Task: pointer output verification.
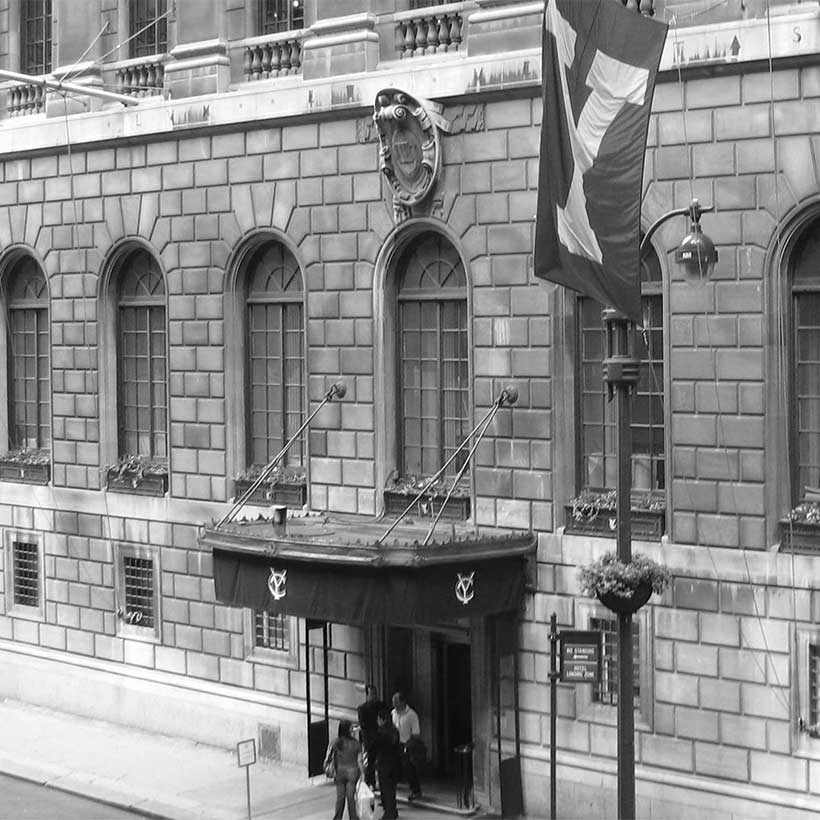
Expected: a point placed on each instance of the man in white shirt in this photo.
(406, 720)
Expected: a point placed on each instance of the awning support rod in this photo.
(508, 395)
(337, 390)
(73, 88)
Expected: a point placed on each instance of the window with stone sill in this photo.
(807, 673)
(595, 450)
(272, 638)
(25, 581)
(28, 342)
(142, 370)
(597, 702)
(148, 26)
(281, 15)
(35, 37)
(433, 374)
(137, 579)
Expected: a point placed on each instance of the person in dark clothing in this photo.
(387, 755)
(368, 728)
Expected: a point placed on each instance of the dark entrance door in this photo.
(398, 652)
(318, 724)
(452, 701)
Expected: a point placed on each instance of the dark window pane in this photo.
(26, 574)
(281, 15)
(138, 584)
(35, 36)
(607, 690)
(149, 28)
(271, 631)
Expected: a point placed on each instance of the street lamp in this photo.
(697, 255)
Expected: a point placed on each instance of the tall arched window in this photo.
(597, 467)
(142, 366)
(275, 364)
(29, 391)
(433, 372)
(805, 364)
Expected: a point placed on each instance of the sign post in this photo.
(246, 756)
(580, 663)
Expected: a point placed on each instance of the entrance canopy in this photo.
(333, 569)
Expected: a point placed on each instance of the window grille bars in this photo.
(26, 573)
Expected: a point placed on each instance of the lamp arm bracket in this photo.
(687, 211)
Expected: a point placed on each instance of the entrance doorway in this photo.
(452, 701)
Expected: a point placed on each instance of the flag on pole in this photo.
(600, 61)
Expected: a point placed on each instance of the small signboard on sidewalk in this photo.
(246, 756)
(246, 752)
(580, 656)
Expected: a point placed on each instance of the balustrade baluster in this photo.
(421, 37)
(410, 39)
(295, 56)
(247, 62)
(151, 78)
(432, 35)
(256, 63)
(275, 59)
(443, 34)
(285, 69)
(267, 59)
(455, 33)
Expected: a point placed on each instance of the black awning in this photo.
(337, 572)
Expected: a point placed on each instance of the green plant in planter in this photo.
(609, 576)
(27, 455)
(588, 504)
(281, 474)
(137, 466)
(412, 485)
(807, 512)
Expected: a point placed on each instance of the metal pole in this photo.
(248, 785)
(553, 710)
(73, 88)
(621, 375)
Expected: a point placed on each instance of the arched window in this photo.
(29, 390)
(275, 367)
(804, 444)
(433, 372)
(142, 366)
(597, 468)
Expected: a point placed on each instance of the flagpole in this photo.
(621, 377)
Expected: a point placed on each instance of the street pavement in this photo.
(155, 775)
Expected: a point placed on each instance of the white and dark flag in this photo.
(600, 61)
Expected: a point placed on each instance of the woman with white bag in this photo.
(346, 751)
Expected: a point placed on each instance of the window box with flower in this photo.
(285, 485)
(401, 490)
(800, 530)
(138, 475)
(623, 587)
(26, 466)
(593, 512)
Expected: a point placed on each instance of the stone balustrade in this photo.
(141, 78)
(437, 30)
(26, 99)
(273, 56)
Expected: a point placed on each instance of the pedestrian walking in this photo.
(368, 728)
(347, 752)
(406, 720)
(387, 756)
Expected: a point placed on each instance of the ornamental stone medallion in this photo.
(409, 150)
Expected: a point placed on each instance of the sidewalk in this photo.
(162, 777)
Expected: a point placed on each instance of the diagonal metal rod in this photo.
(509, 394)
(73, 88)
(460, 474)
(336, 390)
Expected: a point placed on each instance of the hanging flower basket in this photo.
(621, 587)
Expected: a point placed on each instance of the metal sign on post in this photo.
(580, 656)
(580, 663)
(246, 756)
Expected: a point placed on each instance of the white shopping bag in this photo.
(365, 801)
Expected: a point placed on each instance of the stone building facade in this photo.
(183, 280)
